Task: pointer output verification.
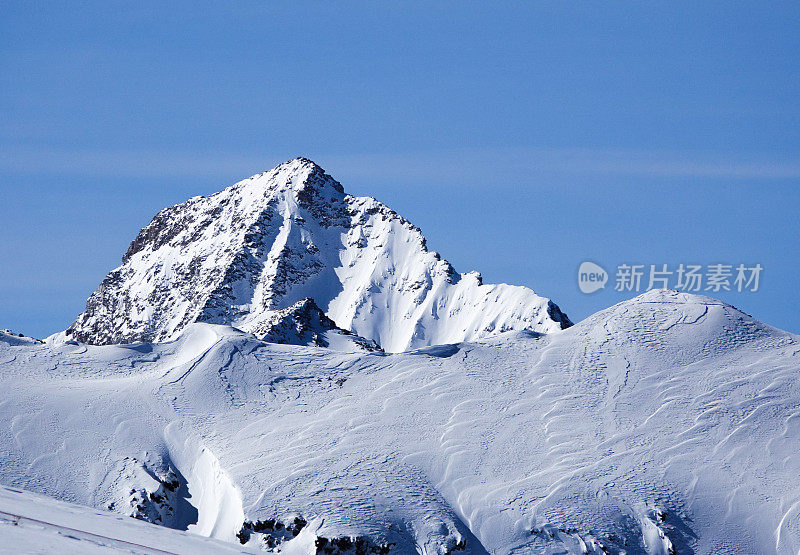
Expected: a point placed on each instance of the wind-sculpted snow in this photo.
(239, 256)
(666, 424)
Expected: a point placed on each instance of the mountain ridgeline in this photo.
(291, 240)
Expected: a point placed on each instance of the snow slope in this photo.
(31, 523)
(270, 241)
(668, 423)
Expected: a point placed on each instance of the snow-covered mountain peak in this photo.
(259, 247)
(672, 296)
(299, 175)
(674, 328)
(664, 305)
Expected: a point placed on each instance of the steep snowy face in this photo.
(261, 246)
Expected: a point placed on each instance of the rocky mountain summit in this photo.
(254, 252)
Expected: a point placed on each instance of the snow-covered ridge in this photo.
(668, 423)
(270, 241)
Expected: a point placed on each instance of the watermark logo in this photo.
(591, 277)
(694, 278)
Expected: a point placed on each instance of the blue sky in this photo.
(523, 138)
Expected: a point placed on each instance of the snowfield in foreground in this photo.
(668, 423)
(31, 523)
